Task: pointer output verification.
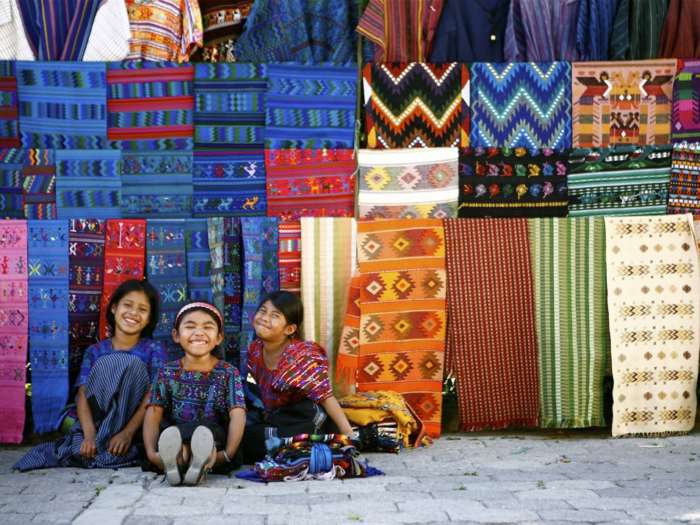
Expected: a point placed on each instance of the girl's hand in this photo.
(88, 448)
(120, 443)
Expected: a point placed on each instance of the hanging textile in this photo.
(310, 107)
(290, 256)
(14, 318)
(198, 261)
(637, 29)
(223, 22)
(11, 201)
(347, 360)
(653, 279)
(478, 341)
(402, 30)
(157, 184)
(9, 125)
(402, 313)
(622, 103)
(327, 264)
(310, 183)
(215, 232)
(680, 36)
(39, 184)
(62, 105)
(233, 270)
(625, 180)
(229, 161)
(88, 183)
(164, 29)
(416, 105)
(125, 259)
(593, 28)
(521, 104)
(505, 182)
(150, 105)
(86, 259)
(48, 320)
(408, 183)
(568, 270)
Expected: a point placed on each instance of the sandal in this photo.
(201, 446)
(169, 447)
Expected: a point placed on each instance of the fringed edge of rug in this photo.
(653, 435)
(500, 425)
(572, 423)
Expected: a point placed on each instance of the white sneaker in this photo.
(169, 448)
(201, 446)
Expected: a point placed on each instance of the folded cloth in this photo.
(367, 408)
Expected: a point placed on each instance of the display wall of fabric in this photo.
(622, 102)
(471, 32)
(215, 230)
(39, 184)
(327, 262)
(310, 107)
(408, 183)
(229, 161)
(11, 201)
(164, 29)
(478, 342)
(150, 105)
(86, 259)
(233, 270)
(416, 104)
(62, 104)
(347, 359)
(521, 104)
(157, 184)
(125, 259)
(568, 272)
(9, 125)
(402, 30)
(14, 320)
(402, 313)
(653, 278)
(88, 183)
(637, 29)
(505, 182)
(290, 256)
(310, 183)
(680, 36)
(47, 245)
(198, 261)
(223, 22)
(595, 22)
(625, 180)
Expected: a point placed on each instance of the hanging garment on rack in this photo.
(290, 256)
(215, 230)
(637, 29)
(9, 123)
(680, 36)
(595, 23)
(223, 22)
(653, 280)
(198, 260)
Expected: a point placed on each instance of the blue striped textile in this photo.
(11, 178)
(198, 260)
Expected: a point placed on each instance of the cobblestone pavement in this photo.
(462, 478)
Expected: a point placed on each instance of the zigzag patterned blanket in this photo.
(39, 184)
(12, 161)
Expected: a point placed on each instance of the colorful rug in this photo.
(88, 183)
(521, 104)
(223, 22)
(86, 259)
(327, 264)
(505, 182)
(62, 105)
(48, 320)
(290, 256)
(625, 180)
(653, 280)
(310, 183)
(150, 105)
(568, 270)
(347, 360)
(402, 313)
(408, 183)
(125, 259)
(478, 341)
(14, 319)
(622, 102)
(686, 109)
(215, 231)
(233, 269)
(310, 107)
(157, 184)
(12, 161)
(198, 260)
(416, 105)
(9, 125)
(39, 184)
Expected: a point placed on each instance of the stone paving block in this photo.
(307, 499)
(456, 508)
(555, 494)
(147, 520)
(55, 517)
(118, 497)
(474, 494)
(393, 496)
(185, 492)
(159, 499)
(218, 519)
(650, 491)
(174, 511)
(102, 517)
(607, 503)
(11, 518)
(340, 487)
(368, 506)
(492, 515)
(527, 504)
(359, 516)
(243, 507)
(577, 484)
(588, 515)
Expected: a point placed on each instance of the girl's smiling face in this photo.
(132, 313)
(270, 324)
(198, 333)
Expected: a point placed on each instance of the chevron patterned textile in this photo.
(416, 104)
(198, 260)
(12, 161)
(9, 125)
(48, 320)
(39, 184)
(521, 104)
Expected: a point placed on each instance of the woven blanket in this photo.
(233, 270)
(347, 360)
(479, 342)
(223, 22)
(198, 260)
(625, 180)
(327, 264)
(14, 318)
(402, 313)
(39, 184)
(416, 105)
(86, 259)
(12, 161)
(62, 105)
(48, 320)
(408, 183)
(125, 259)
(290, 256)
(150, 105)
(9, 125)
(88, 183)
(568, 270)
(622, 102)
(215, 231)
(310, 107)
(157, 184)
(310, 183)
(521, 104)
(505, 182)
(686, 112)
(653, 280)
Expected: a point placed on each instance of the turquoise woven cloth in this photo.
(11, 177)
